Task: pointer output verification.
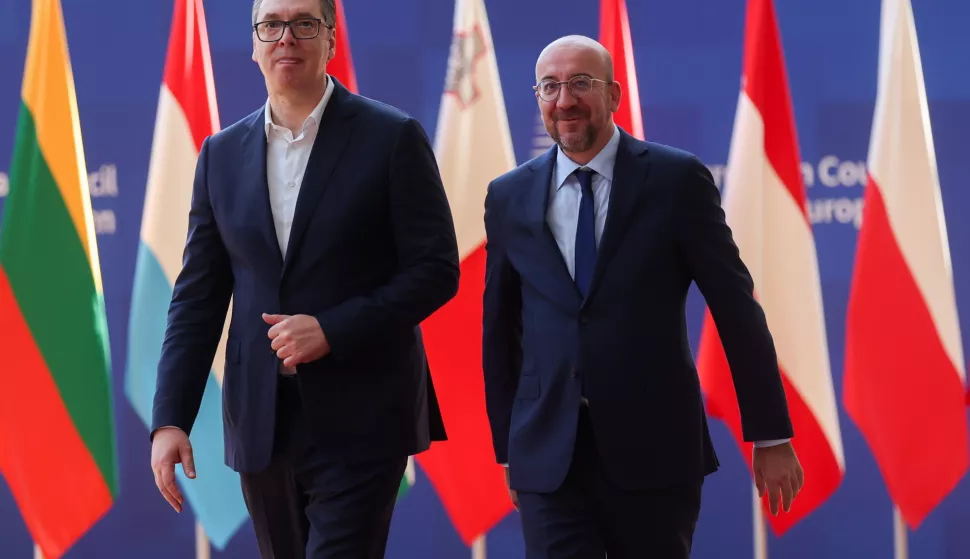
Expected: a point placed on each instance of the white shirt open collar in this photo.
(313, 118)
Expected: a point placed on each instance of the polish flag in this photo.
(904, 367)
(615, 37)
(473, 146)
(765, 205)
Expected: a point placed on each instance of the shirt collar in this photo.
(602, 163)
(314, 116)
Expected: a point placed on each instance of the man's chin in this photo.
(573, 142)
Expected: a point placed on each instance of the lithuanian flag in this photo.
(57, 442)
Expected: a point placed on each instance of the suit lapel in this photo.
(254, 146)
(548, 259)
(629, 175)
(332, 139)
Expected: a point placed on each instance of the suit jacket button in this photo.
(583, 319)
(575, 373)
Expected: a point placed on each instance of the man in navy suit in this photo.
(592, 394)
(323, 216)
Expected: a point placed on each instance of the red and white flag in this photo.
(765, 204)
(615, 37)
(473, 146)
(904, 368)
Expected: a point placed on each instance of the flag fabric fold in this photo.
(58, 450)
(342, 64)
(765, 205)
(473, 145)
(186, 115)
(904, 364)
(615, 37)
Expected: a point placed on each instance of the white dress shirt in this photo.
(566, 195)
(286, 161)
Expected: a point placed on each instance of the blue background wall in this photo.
(688, 58)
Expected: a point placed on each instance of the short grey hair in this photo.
(327, 7)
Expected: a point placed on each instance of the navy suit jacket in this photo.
(625, 347)
(372, 253)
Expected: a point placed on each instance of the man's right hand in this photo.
(512, 494)
(170, 446)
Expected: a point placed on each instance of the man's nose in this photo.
(287, 36)
(565, 99)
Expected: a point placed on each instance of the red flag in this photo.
(615, 36)
(473, 146)
(765, 207)
(904, 375)
(342, 65)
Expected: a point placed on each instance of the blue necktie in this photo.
(585, 233)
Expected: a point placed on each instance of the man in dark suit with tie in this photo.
(323, 216)
(592, 394)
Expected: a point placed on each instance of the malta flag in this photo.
(186, 115)
(765, 205)
(904, 368)
(615, 37)
(473, 146)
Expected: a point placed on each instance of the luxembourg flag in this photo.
(904, 364)
(765, 205)
(186, 115)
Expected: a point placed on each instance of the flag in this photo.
(407, 481)
(765, 206)
(341, 66)
(186, 115)
(904, 367)
(57, 441)
(473, 145)
(615, 37)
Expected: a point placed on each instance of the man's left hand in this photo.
(778, 473)
(296, 339)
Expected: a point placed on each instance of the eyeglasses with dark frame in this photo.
(302, 28)
(579, 86)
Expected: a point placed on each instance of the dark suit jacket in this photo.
(626, 345)
(372, 252)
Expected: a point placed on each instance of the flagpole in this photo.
(478, 547)
(899, 535)
(201, 542)
(760, 537)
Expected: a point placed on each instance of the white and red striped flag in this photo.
(615, 37)
(765, 204)
(904, 367)
(473, 146)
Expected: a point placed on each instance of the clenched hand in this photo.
(296, 339)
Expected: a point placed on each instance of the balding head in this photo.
(577, 116)
(582, 47)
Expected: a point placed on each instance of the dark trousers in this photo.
(306, 504)
(588, 517)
